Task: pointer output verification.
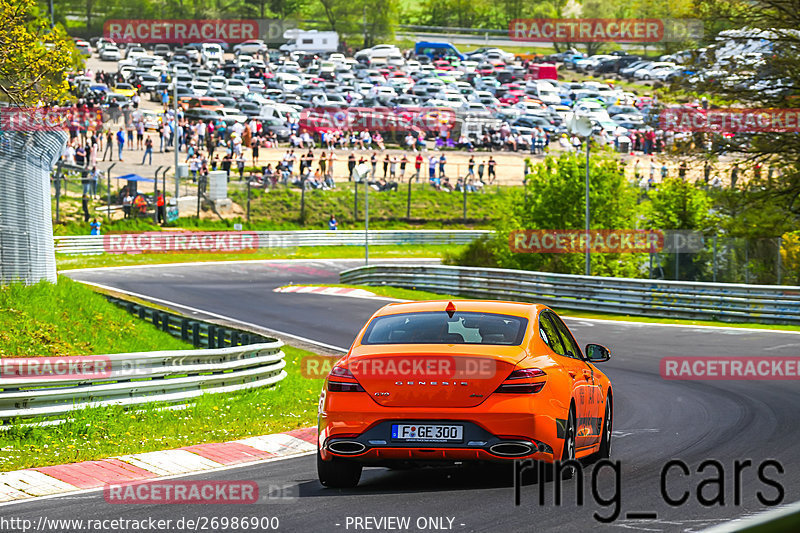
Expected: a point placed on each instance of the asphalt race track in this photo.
(656, 420)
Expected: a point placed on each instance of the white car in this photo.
(231, 114)
(109, 53)
(218, 83)
(253, 47)
(243, 60)
(379, 51)
(236, 87)
(84, 48)
(199, 88)
(647, 73)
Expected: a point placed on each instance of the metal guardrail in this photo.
(198, 332)
(95, 244)
(137, 378)
(656, 298)
(233, 360)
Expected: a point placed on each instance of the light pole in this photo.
(582, 126)
(175, 129)
(586, 200)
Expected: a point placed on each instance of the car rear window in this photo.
(437, 327)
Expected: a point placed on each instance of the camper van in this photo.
(310, 41)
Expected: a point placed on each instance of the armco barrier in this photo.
(95, 244)
(677, 299)
(198, 332)
(136, 378)
(235, 360)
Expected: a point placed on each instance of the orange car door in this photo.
(573, 367)
(589, 394)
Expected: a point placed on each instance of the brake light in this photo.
(343, 373)
(511, 385)
(525, 373)
(339, 386)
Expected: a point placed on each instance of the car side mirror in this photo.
(597, 353)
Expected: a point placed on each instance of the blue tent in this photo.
(135, 177)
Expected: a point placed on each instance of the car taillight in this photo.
(342, 380)
(513, 384)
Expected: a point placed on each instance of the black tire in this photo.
(568, 453)
(608, 424)
(338, 473)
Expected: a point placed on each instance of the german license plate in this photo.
(427, 432)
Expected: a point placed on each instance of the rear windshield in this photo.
(437, 327)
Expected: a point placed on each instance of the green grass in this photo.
(68, 262)
(70, 319)
(110, 431)
(279, 209)
(411, 294)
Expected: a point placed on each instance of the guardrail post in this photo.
(244, 338)
(212, 332)
(142, 312)
(234, 338)
(165, 322)
(196, 333)
(184, 330)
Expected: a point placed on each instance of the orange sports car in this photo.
(443, 382)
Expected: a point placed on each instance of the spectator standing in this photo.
(403, 163)
(734, 175)
(120, 142)
(492, 169)
(148, 150)
(442, 162)
(417, 165)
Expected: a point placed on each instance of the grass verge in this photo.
(412, 294)
(109, 431)
(69, 262)
(65, 318)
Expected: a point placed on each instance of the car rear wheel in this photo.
(605, 442)
(568, 453)
(338, 473)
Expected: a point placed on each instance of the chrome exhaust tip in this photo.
(346, 447)
(512, 449)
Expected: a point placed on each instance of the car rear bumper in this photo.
(499, 429)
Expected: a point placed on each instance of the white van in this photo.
(212, 52)
(310, 41)
(281, 112)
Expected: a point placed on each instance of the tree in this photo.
(553, 199)
(34, 58)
